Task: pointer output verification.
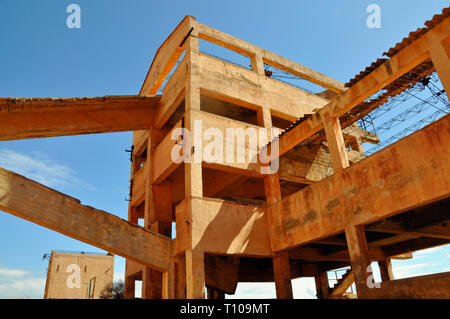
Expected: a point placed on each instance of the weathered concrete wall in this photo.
(99, 268)
(407, 174)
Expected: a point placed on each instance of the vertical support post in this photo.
(386, 269)
(335, 139)
(257, 64)
(135, 165)
(359, 258)
(168, 282)
(129, 289)
(163, 206)
(151, 284)
(272, 188)
(193, 170)
(359, 145)
(322, 285)
(154, 137)
(281, 265)
(271, 181)
(195, 267)
(215, 293)
(440, 56)
(132, 215)
(195, 274)
(152, 279)
(264, 118)
(165, 285)
(147, 284)
(180, 277)
(209, 293)
(282, 275)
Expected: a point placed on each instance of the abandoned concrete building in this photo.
(329, 205)
(78, 275)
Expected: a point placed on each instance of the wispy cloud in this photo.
(19, 283)
(12, 272)
(247, 290)
(302, 288)
(428, 251)
(406, 271)
(40, 168)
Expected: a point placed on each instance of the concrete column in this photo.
(322, 285)
(335, 139)
(386, 269)
(129, 288)
(215, 293)
(359, 257)
(282, 275)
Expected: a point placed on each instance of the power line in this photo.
(410, 129)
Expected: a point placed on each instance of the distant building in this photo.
(78, 275)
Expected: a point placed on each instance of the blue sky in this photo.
(110, 55)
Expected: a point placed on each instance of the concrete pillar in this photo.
(151, 284)
(335, 139)
(440, 56)
(129, 288)
(195, 274)
(215, 293)
(386, 269)
(180, 277)
(322, 285)
(359, 257)
(282, 276)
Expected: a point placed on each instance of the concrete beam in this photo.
(433, 286)
(254, 52)
(44, 206)
(166, 57)
(410, 173)
(45, 117)
(408, 58)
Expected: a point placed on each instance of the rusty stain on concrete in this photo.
(290, 223)
(333, 203)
